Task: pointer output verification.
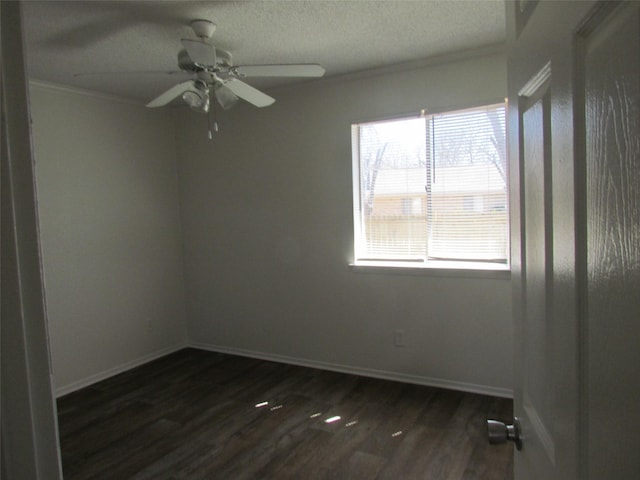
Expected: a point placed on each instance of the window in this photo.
(432, 190)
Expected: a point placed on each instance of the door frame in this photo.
(29, 432)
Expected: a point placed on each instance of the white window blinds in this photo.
(432, 188)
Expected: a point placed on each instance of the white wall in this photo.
(110, 232)
(268, 232)
(267, 217)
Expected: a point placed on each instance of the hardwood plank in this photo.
(194, 415)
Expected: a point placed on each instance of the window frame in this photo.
(424, 265)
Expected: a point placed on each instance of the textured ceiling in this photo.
(64, 38)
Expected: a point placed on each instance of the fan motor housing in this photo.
(224, 59)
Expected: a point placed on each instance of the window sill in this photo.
(437, 269)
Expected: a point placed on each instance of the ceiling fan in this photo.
(213, 72)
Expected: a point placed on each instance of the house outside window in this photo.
(432, 190)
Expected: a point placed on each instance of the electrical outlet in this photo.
(398, 338)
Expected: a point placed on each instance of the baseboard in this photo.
(335, 367)
(365, 372)
(85, 382)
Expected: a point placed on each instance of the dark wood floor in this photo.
(194, 415)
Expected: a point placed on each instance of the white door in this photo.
(574, 119)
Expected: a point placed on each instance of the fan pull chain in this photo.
(210, 117)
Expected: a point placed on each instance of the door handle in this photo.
(499, 432)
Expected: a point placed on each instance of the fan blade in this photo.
(201, 53)
(142, 72)
(171, 94)
(248, 93)
(292, 70)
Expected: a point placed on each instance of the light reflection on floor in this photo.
(332, 419)
(329, 420)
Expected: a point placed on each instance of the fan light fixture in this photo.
(198, 98)
(226, 98)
